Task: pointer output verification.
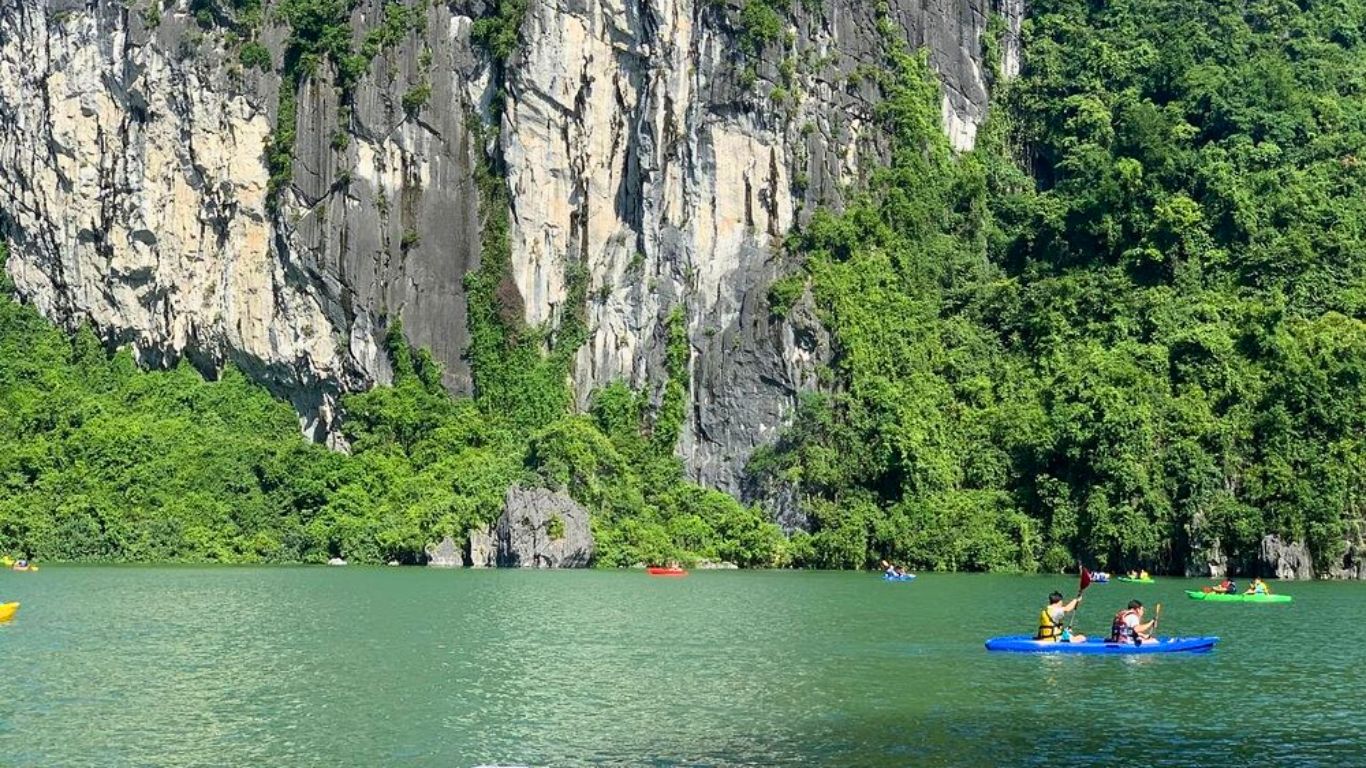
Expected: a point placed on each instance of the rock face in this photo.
(482, 550)
(445, 554)
(1353, 564)
(1287, 560)
(644, 151)
(542, 529)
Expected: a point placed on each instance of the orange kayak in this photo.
(666, 571)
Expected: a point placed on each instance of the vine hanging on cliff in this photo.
(320, 31)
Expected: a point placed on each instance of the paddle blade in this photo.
(1085, 579)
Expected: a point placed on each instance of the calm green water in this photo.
(373, 667)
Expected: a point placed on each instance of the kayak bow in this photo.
(1027, 644)
(7, 611)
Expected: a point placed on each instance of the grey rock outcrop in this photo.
(1286, 560)
(540, 528)
(1205, 556)
(445, 554)
(482, 549)
(1353, 565)
(641, 150)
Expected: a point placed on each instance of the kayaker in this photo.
(1051, 618)
(1258, 587)
(1225, 587)
(1143, 575)
(888, 570)
(1129, 626)
(1131, 575)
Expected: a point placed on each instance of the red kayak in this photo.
(666, 571)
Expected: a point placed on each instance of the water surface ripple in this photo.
(372, 667)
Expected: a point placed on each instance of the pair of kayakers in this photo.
(1228, 587)
(893, 571)
(1128, 625)
(1141, 575)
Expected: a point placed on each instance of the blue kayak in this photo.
(907, 577)
(1027, 644)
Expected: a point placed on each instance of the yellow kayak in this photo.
(21, 570)
(7, 611)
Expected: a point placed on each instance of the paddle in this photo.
(1085, 582)
(1157, 614)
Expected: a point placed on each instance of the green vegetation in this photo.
(761, 23)
(415, 98)
(1153, 341)
(499, 32)
(253, 54)
(102, 461)
(784, 293)
(243, 17)
(1130, 324)
(151, 15)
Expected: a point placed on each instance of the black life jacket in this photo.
(1121, 632)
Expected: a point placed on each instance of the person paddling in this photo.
(1225, 587)
(1258, 587)
(888, 570)
(1129, 626)
(1051, 626)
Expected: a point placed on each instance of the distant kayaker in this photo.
(888, 569)
(1225, 587)
(1129, 626)
(1143, 575)
(1258, 587)
(1051, 618)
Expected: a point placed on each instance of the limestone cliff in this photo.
(658, 149)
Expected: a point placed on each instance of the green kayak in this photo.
(1128, 580)
(1218, 597)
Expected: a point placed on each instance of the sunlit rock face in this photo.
(643, 150)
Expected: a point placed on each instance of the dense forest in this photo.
(1125, 328)
(100, 460)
